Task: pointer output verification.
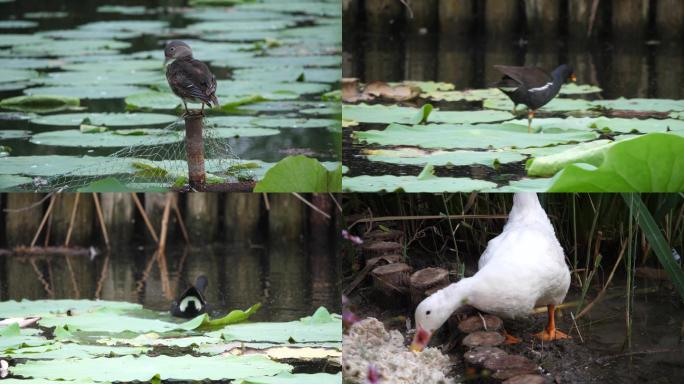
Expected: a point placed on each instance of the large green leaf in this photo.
(69, 350)
(97, 78)
(108, 119)
(470, 136)
(47, 308)
(152, 100)
(414, 156)
(299, 174)
(143, 368)
(100, 92)
(70, 47)
(649, 163)
(12, 75)
(555, 105)
(637, 125)
(643, 105)
(40, 103)
(592, 153)
(76, 138)
(391, 183)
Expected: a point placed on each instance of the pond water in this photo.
(272, 63)
(290, 279)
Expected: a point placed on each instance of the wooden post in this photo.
(455, 62)
(201, 216)
(421, 57)
(669, 71)
(384, 59)
(456, 17)
(244, 275)
(579, 16)
(543, 17)
(500, 17)
(21, 222)
(670, 19)
(422, 16)
(286, 218)
(194, 145)
(382, 15)
(629, 18)
(628, 71)
(242, 216)
(119, 210)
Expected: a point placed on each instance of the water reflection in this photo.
(290, 278)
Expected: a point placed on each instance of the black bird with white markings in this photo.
(192, 302)
(189, 78)
(532, 86)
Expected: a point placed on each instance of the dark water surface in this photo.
(290, 279)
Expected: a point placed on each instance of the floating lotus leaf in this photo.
(648, 163)
(86, 34)
(100, 92)
(467, 95)
(365, 113)
(152, 339)
(297, 378)
(555, 105)
(40, 103)
(12, 337)
(8, 182)
(70, 47)
(108, 119)
(51, 165)
(11, 39)
(142, 26)
(29, 63)
(317, 8)
(289, 74)
(642, 105)
(11, 134)
(152, 100)
(12, 75)
(277, 62)
(247, 25)
(68, 351)
(427, 86)
(242, 36)
(392, 183)
(577, 89)
(76, 138)
(570, 123)
(470, 136)
(306, 330)
(227, 14)
(414, 156)
(312, 177)
(12, 24)
(637, 125)
(97, 78)
(47, 308)
(125, 65)
(268, 90)
(295, 123)
(591, 153)
(243, 132)
(125, 9)
(46, 15)
(14, 86)
(525, 185)
(468, 117)
(143, 368)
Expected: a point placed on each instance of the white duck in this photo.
(521, 268)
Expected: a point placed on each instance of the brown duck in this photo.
(189, 78)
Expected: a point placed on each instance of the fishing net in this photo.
(158, 162)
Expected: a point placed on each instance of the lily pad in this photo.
(365, 113)
(12, 134)
(238, 25)
(13, 75)
(11, 39)
(268, 90)
(152, 100)
(46, 15)
(15, 24)
(413, 156)
(51, 165)
(141, 26)
(100, 92)
(12, 181)
(391, 183)
(68, 351)
(295, 123)
(466, 95)
(648, 163)
(555, 105)
(76, 138)
(297, 378)
(70, 47)
(29, 63)
(579, 89)
(125, 65)
(637, 125)
(87, 78)
(525, 185)
(40, 103)
(108, 119)
(470, 136)
(143, 368)
(469, 117)
(289, 74)
(47, 308)
(312, 176)
(642, 105)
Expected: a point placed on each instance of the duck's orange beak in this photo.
(420, 340)
(573, 78)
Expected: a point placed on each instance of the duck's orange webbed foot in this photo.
(552, 335)
(510, 339)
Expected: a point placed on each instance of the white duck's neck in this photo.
(455, 295)
(527, 211)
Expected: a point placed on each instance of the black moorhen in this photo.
(532, 86)
(192, 302)
(189, 78)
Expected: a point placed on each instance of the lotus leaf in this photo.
(8, 182)
(40, 103)
(642, 105)
(312, 176)
(392, 183)
(413, 156)
(648, 163)
(13, 75)
(108, 119)
(592, 152)
(100, 92)
(297, 378)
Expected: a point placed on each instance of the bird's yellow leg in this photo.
(202, 109)
(530, 116)
(550, 332)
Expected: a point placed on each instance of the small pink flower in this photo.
(354, 239)
(373, 376)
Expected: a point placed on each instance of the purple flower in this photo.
(354, 239)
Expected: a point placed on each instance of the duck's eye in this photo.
(172, 48)
(427, 313)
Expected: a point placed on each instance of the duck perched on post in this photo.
(532, 86)
(192, 302)
(189, 78)
(521, 268)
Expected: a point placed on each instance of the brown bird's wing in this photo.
(531, 77)
(193, 79)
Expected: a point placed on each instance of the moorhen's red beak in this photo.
(420, 340)
(573, 78)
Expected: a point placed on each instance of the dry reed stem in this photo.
(146, 219)
(100, 218)
(72, 219)
(42, 222)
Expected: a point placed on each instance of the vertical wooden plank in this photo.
(83, 220)
(629, 18)
(244, 276)
(455, 62)
(669, 71)
(456, 17)
(202, 216)
(579, 15)
(384, 59)
(119, 213)
(421, 57)
(501, 17)
(21, 223)
(670, 19)
(382, 15)
(323, 259)
(543, 18)
(242, 215)
(424, 18)
(286, 218)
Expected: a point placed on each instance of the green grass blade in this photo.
(656, 239)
